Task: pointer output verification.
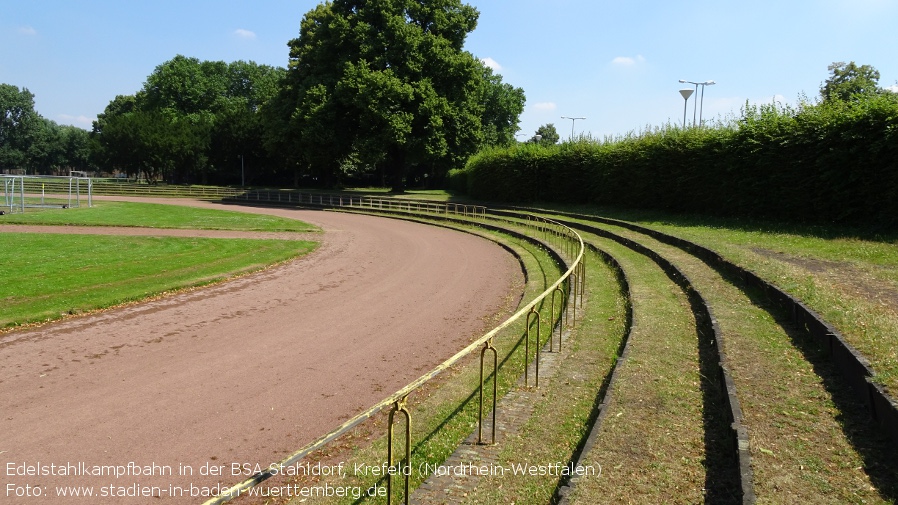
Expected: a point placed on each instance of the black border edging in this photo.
(566, 487)
(854, 366)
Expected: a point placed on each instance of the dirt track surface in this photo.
(246, 371)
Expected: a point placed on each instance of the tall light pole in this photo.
(686, 94)
(535, 138)
(242, 177)
(697, 84)
(573, 120)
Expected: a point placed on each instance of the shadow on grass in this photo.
(721, 462)
(873, 231)
(876, 449)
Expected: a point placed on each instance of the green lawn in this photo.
(157, 216)
(48, 276)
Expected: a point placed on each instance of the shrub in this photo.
(828, 162)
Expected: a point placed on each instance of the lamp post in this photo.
(573, 121)
(686, 94)
(535, 138)
(242, 176)
(697, 84)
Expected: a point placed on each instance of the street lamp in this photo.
(697, 84)
(535, 138)
(686, 94)
(242, 177)
(573, 120)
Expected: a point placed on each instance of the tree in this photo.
(503, 105)
(847, 80)
(548, 133)
(201, 118)
(386, 82)
(20, 125)
(76, 146)
(112, 142)
(34, 143)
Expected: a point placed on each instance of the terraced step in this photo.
(659, 441)
(811, 442)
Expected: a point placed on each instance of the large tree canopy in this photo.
(848, 80)
(36, 144)
(193, 119)
(548, 135)
(19, 125)
(387, 82)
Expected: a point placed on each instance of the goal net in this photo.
(22, 192)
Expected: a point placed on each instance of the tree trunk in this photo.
(397, 164)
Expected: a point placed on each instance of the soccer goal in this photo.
(22, 192)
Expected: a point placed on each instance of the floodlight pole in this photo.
(242, 174)
(686, 94)
(697, 84)
(573, 120)
(535, 138)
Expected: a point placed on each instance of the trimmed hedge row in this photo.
(830, 162)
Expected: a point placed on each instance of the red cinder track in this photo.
(245, 371)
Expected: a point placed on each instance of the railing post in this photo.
(488, 346)
(561, 311)
(402, 407)
(582, 279)
(533, 312)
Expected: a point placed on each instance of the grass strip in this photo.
(152, 215)
(651, 444)
(810, 440)
(46, 277)
(560, 420)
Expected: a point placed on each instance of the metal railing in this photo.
(570, 285)
(364, 202)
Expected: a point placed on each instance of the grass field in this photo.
(105, 213)
(48, 276)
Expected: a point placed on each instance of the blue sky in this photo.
(615, 63)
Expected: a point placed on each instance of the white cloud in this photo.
(491, 63)
(245, 34)
(27, 30)
(893, 89)
(627, 61)
(82, 121)
(545, 106)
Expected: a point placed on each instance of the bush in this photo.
(828, 162)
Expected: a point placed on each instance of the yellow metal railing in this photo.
(560, 236)
(364, 202)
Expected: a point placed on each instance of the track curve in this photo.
(222, 375)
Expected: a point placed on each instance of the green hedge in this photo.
(828, 162)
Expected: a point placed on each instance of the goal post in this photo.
(21, 192)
